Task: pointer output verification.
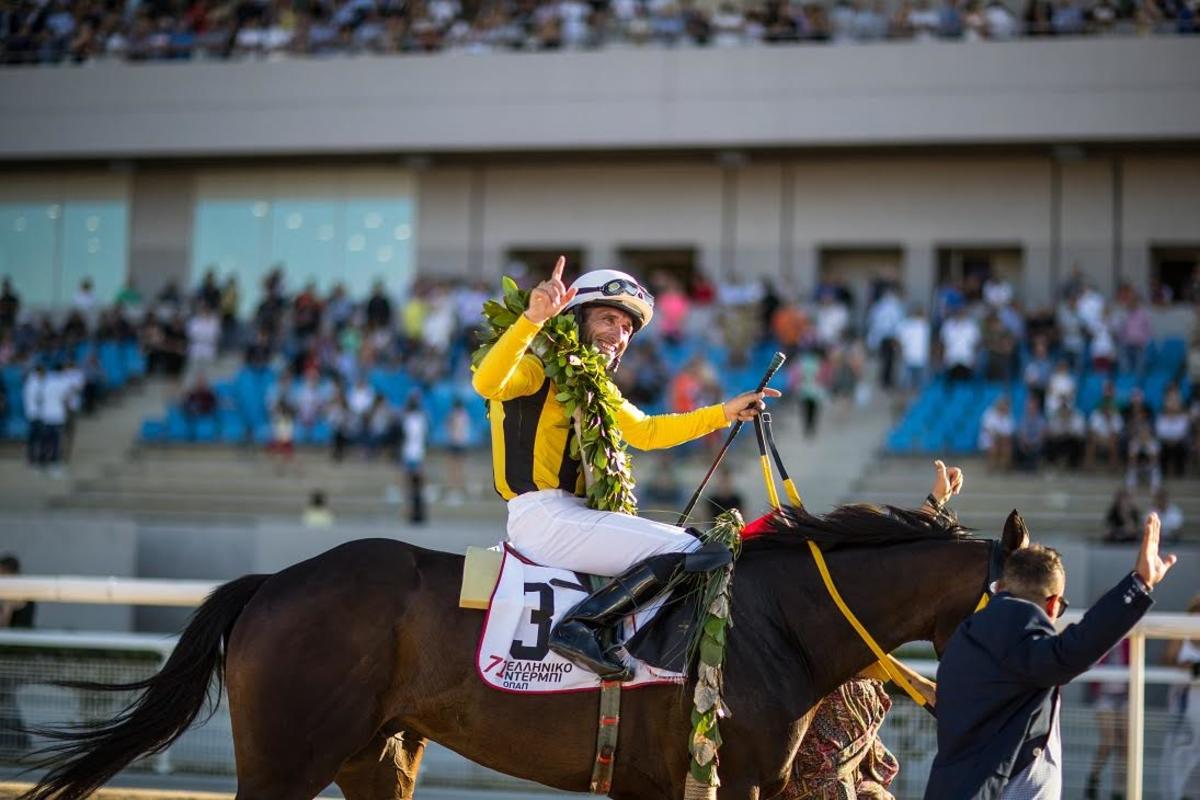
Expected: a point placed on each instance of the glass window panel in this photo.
(379, 244)
(232, 236)
(306, 241)
(28, 235)
(95, 240)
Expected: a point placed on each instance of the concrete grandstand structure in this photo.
(1038, 155)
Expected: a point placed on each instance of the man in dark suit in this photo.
(998, 696)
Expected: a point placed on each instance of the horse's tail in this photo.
(85, 757)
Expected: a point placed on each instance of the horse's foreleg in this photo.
(386, 769)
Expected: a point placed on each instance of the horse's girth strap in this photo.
(885, 660)
(606, 737)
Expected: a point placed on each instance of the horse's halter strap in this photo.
(762, 427)
(995, 569)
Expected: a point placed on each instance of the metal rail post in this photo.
(1135, 737)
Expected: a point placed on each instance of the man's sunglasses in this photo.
(1063, 605)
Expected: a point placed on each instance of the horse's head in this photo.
(1014, 536)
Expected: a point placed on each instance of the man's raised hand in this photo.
(550, 296)
(1150, 566)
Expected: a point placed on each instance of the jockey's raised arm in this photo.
(548, 519)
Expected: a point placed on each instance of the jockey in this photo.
(548, 519)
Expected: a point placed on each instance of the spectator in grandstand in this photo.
(1038, 371)
(458, 440)
(200, 400)
(1030, 438)
(1066, 431)
(208, 293)
(10, 305)
(14, 613)
(379, 426)
(128, 299)
(1105, 425)
(1173, 429)
(1135, 333)
(960, 345)
(316, 513)
(166, 345)
(1001, 23)
(46, 395)
(999, 347)
(725, 495)
(306, 313)
(230, 300)
(832, 318)
(1181, 746)
(1067, 19)
(203, 336)
(1061, 387)
(996, 434)
(310, 398)
(1170, 515)
(282, 447)
(414, 427)
(1136, 413)
(85, 299)
(1104, 346)
(883, 323)
(1143, 458)
(913, 334)
(339, 308)
(345, 426)
(810, 378)
(258, 352)
(1071, 329)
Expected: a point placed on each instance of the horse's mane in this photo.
(855, 525)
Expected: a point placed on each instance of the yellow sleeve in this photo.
(667, 430)
(509, 370)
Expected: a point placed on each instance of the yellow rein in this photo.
(886, 661)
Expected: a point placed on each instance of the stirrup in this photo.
(577, 642)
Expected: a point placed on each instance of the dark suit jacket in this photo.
(997, 681)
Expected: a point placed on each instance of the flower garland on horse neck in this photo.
(580, 372)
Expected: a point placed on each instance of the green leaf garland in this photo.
(708, 707)
(580, 374)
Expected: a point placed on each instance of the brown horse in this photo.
(340, 668)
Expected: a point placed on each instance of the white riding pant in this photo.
(555, 528)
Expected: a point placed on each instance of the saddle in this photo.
(524, 600)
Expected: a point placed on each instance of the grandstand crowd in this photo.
(57, 31)
(1085, 384)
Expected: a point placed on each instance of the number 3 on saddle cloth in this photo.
(528, 600)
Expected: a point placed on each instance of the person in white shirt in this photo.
(85, 298)
(359, 400)
(1061, 386)
(1173, 428)
(1105, 426)
(832, 319)
(913, 335)
(960, 345)
(414, 430)
(996, 434)
(203, 334)
(1065, 432)
(46, 396)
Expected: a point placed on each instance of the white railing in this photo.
(140, 591)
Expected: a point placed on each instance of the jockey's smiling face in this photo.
(609, 329)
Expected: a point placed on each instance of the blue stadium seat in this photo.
(135, 360)
(16, 428)
(204, 429)
(179, 428)
(112, 364)
(153, 430)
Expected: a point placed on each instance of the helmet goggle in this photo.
(620, 286)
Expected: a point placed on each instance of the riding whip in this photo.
(776, 362)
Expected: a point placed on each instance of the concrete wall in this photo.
(904, 93)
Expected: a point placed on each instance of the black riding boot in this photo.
(577, 635)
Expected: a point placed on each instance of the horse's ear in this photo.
(1016, 535)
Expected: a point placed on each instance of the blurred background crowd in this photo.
(168, 30)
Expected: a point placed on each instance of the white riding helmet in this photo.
(610, 287)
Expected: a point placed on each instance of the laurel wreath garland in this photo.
(580, 373)
(708, 705)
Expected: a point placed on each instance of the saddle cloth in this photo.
(514, 653)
